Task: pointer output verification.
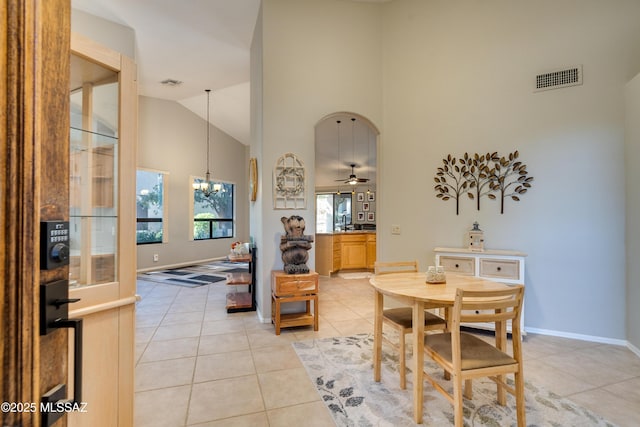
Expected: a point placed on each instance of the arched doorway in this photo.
(345, 192)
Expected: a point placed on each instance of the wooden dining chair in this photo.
(466, 356)
(401, 318)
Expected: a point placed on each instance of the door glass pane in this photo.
(93, 172)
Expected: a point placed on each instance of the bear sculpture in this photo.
(295, 245)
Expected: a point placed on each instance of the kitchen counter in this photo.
(345, 250)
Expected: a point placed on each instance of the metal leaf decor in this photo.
(510, 178)
(456, 185)
(479, 174)
(482, 175)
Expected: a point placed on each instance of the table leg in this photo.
(418, 359)
(377, 336)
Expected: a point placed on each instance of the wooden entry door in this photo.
(34, 186)
(34, 141)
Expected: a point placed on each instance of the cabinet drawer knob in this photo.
(499, 268)
(457, 265)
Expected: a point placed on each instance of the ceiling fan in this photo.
(353, 179)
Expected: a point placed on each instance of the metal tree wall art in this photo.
(482, 175)
(478, 174)
(510, 178)
(456, 185)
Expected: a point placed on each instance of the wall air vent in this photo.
(556, 79)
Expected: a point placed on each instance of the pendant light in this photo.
(368, 159)
(339, 149)
(207, 187)
(353, 180)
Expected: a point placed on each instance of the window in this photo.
(213, 216)
(333, 212)
(149, 207)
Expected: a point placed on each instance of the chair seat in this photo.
(404, 316)
(476, 353)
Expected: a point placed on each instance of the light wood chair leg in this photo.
(457, 401)
(468, 389)
(501, 392)
(520, 411)
(403, 361)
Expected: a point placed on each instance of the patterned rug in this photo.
(195, 275)
(342, 370)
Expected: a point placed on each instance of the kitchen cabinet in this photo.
(371, 251)
(499, 265)
(345, 251)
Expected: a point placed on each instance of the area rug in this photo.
(195, 275)
(342, 370)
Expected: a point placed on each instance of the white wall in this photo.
(318, 57)
(458, 78)
(173, 139)
(632, 154)
(448, 78)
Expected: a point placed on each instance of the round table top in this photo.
(414, 286)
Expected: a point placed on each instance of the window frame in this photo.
(162, 219)
(212, 221)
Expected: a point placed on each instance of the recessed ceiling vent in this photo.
(171, 82)
(556, 79)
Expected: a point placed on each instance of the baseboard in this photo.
(182, 264)
(634, 349)
(581, 337)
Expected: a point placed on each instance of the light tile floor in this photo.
(197, 365)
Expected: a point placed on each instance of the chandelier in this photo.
(207, 187)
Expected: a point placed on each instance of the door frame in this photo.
(113, 301)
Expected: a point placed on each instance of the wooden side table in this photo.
(291, 288)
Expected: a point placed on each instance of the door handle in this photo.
(76, 325)
(54, 314)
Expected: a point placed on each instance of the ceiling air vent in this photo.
(571, 76)
(171, 82)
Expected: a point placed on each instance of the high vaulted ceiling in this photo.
(202, 43)
(206, 44)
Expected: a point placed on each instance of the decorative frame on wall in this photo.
(289, 183)
(253, 179)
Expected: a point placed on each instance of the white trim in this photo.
(633, 348)
(581, 337)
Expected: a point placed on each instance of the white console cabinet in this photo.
(499, 265)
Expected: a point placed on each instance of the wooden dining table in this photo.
(411, 289)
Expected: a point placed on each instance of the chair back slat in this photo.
(486, 317)
(488, 306)
(395, 267)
